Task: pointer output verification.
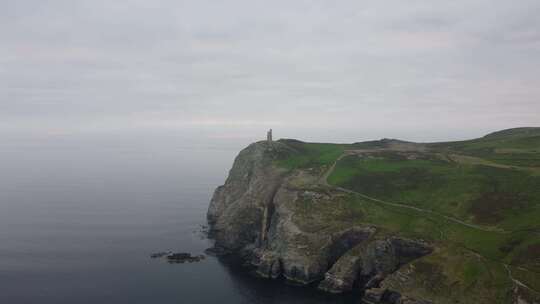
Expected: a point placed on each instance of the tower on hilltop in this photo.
(269, 136)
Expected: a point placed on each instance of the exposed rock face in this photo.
(239, 208)
(266, 215)
(343, 274)
(381, 295)
(370, 262)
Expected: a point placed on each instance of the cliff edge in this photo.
(401, 222)
(285, 224)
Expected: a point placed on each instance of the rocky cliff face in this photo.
(240, 209)
(285, 224)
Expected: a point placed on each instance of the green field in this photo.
(515, 147)
(505, 198)
(309, 155)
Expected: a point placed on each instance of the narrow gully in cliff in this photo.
(267, 215)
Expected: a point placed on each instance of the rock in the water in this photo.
(179, 257)
(373, 295)
(160, 254)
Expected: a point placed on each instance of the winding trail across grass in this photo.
(324, 181)
(517, 282)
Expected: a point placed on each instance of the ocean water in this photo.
(79, 217)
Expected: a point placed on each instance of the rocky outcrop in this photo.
(238, 209)
(343, 274)
(284, 224)
(370, 262)
(384, 296)
(304, 258)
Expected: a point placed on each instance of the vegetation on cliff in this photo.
(476, 202)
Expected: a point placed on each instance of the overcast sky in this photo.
(318, 70)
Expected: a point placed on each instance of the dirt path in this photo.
(517, 282)
(324, 181)
(324, 178)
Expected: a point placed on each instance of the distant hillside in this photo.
(515, 132)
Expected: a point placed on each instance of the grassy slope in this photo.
(505, 198)
(499, 189)
(517, 147)
(310, 155)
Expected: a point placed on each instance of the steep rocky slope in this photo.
(277, 212)
(260, 214)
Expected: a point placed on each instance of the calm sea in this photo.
(79, 217)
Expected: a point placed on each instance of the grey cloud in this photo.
(319, 65)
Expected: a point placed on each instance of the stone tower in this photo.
(269, 136)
